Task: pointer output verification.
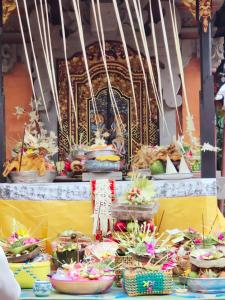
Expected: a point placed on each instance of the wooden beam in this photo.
(2, 104)
(207, 106)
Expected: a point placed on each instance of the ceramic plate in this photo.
(177, 176)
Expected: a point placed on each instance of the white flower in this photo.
(208, 147)
(33, 116)
(19, 111)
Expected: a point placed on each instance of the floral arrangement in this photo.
(90, 270)
(140, 193)
(147, 247)
(34, 151)
(36, 137)
(20, 244)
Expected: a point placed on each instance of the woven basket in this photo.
(121, 263)
(139, 281)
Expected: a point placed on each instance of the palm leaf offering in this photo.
(141, 192)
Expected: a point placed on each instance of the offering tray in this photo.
(31, 177)
(206, 263)
(175, 176)
(82, 286)
(24, 257)
(123, 211)
(206, 285)
(102, 166)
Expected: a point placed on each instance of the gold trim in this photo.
(205, 13)
(191, 5)
(9, 7)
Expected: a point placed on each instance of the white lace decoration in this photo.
(103, 204)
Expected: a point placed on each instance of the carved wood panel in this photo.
(145, 131)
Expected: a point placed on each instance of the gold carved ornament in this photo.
(8, 8)
(191, 5)
(205, 11)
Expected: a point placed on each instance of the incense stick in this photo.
(213, 223)
(160, 222)
(203, 230)
(22, 147)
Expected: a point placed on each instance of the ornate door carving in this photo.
(143, 132)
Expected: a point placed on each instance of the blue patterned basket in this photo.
(138, 282)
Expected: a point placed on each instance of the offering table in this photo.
(116, 293)
(47, 209)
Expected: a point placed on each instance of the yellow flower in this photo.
(23, 233)
(187, 272)
(29, 151)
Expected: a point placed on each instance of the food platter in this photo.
(175, 176)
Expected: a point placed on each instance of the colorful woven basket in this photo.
(139, 281)
(27, 273)
(121, 263)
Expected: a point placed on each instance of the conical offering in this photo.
(170, 168)
(183, 169)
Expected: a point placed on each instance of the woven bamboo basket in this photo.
(139, 281)
(121, 263)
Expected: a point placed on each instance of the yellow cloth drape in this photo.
(48, 218)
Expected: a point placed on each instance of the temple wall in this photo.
(18, 92)
(17, 82)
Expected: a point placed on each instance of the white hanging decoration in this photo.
(189, 118)
(126, 54)
(157, 61)
(183, 168)
(81, 35)
(46, 57)
(66, 62)
(150, 68)
(168, 59)
(139, 53)
(102, 49)
(170, 168)
(102, 208)
(52, 63)
(35, 58)
(26, 52)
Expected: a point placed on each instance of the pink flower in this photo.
(197, 241)
(189, 154)
(30, 241)
(15, 235)
(220, 236)
(11, 240)
(192, 230)
(168, 265)
(150, 248)
(67, 166)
